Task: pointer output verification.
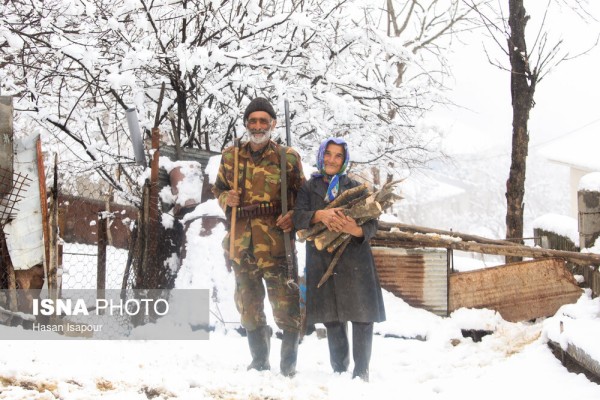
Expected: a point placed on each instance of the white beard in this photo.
(260, 140)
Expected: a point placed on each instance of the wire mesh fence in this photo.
(96, 236)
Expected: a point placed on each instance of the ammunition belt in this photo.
(259, 209)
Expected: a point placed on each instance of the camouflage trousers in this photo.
(250, 296)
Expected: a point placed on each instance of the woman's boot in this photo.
(362, 343)
(289, 353)
(339, 352)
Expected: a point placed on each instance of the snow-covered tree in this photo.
(76, 66)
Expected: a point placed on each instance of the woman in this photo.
(353, 292)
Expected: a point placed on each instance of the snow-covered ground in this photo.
(416, 355)
(514, 362)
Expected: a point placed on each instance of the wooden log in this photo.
(504, 250)
(337, 242)
(386, 194)
(388, 226)
(370, 210)
(310, 233)
(348, 196)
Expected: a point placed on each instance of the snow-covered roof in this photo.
(578, 150)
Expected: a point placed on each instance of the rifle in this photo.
(289, 255)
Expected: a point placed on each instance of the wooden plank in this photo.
(592, 278)
(43, 203)
(519, 291)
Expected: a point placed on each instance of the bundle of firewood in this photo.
(358, 203)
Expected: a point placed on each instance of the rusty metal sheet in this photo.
(519, 291)
(418, 276)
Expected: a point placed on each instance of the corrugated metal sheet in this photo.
(519, 291)
(418, 276)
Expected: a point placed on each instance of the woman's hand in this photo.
(327, 217)
(345, 224)
(335, 220)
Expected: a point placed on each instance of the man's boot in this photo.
(362, 343)
(289, 353)
(259, 341)
(339, 352)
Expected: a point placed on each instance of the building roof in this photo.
(579, 149)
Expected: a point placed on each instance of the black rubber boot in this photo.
(289, 353)
(362, 343)
(339, 352)
(259, 341)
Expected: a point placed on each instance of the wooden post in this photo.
(6, 264)
(43, 205)
(6, 140)
(153, 216)
(102, 242)
(53, 288)
(588, 204)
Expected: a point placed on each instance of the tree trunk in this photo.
(522, 89)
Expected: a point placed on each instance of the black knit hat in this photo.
(259, 104)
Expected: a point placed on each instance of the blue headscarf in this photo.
(334, 181)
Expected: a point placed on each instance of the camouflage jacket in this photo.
(259, 182)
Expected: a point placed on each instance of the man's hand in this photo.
(233, 198)
(285, 222)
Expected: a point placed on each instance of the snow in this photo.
(560, 224)
(590, 182)
(568, 149)
(416, 354)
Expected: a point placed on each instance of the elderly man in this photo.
(259, 251)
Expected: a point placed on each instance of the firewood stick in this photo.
(345, 200)
(304, 234)
(369, 211)
(337, 242)
(333, 263)
(347, 196)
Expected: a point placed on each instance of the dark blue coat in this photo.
(353, 293)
